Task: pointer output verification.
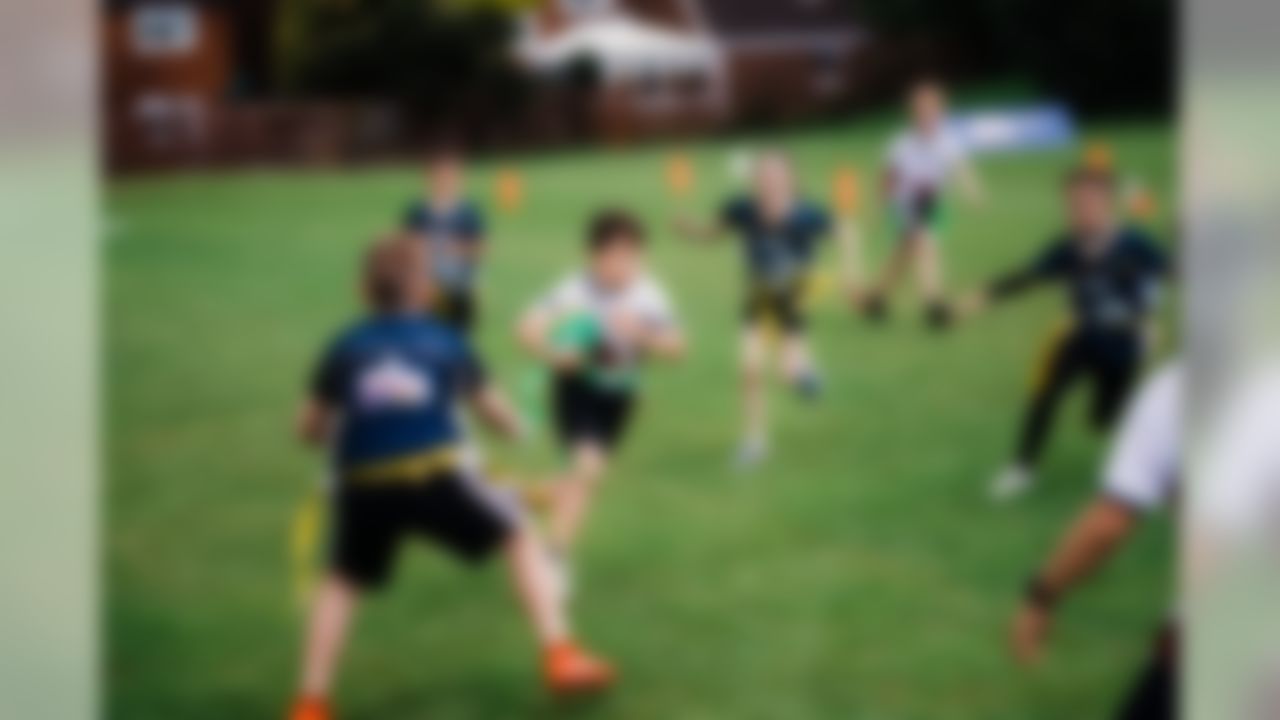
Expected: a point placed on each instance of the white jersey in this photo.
(923, 163)
(1145, 463)
(645, 300)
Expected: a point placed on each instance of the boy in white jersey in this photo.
(594, 329)
(920, 163)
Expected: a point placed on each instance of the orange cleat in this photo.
(310, 710)
(570, 670)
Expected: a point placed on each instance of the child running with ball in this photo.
(594, 330)
(382, 402)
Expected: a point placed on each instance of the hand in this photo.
(566, 361)
(627, 329)
(1029, 633)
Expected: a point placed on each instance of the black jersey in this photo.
(1110, 289)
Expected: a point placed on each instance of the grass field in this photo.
(862, 574)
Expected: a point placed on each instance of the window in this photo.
(164, 29)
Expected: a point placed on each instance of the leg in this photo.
(1113, 382)
(1061, 371)
(929, 272)
(568, 668)
(1155, 695)
(754, 409)
(1058, 369)
(797, 357)
(466, 515)
(928, 265)
(797, 362)
(331, 612)
(365, 539)
(897, 266)
(575, 491)
(535, 588)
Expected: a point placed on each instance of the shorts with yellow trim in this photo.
(781, 304)
(373, 516)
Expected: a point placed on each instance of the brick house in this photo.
(170, 67)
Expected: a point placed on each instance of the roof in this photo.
(623, 46)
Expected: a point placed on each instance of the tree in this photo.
(443, 62)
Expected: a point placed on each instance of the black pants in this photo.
(1155, 695)
(1108, 360)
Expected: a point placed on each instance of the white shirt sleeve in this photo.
(1145, 462)
(657, 307)
(563, 298)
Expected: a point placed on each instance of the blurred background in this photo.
(251, 149)
(218, 83)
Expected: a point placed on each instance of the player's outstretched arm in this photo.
(666, 343)
(496, 412)
(533, 331)
(1088, 544)
(1010, 284)
(314, 423)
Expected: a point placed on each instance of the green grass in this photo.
(862, 574)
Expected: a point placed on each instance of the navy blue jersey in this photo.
(395, 380)
(781, 253)
(451, 233)
(1113, 289)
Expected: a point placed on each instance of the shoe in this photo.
(875, 309)
(938, 316)
(750, 454)
(310, 710)
(570, 671)
(809, 386)
(1013, 482)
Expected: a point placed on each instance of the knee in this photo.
(751, 371)
(588, 467)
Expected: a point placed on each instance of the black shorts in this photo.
(457, 309)
(459, 512)
(1155, 695)
(782, 304)
(585, 412)
(921, 211)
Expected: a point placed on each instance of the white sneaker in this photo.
(1012, 482)
(750, 454)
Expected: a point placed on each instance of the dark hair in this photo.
(1089, 177)
(614, 226)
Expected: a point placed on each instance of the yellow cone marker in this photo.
(1098, 156)
(510, 190)
(845, 191)
(680, 175)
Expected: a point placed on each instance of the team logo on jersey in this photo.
(391, 383)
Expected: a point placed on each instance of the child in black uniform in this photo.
(1112, 274)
